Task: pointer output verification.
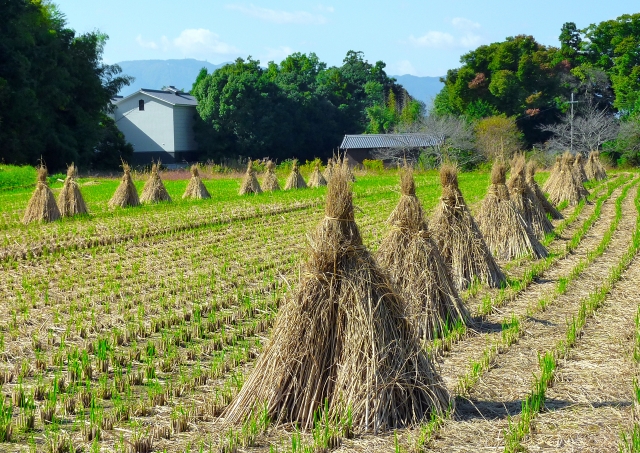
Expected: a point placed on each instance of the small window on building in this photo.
(141, 104)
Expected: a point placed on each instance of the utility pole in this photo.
(572, 102)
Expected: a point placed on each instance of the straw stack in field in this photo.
(317, 179)
(593, 168)
(250, 182)
(342, 339)
(535, 188)
(348, 170)
(196, 189)
(553, 174)
(70, 201)
(525, 201)
(328, 170)
(578, 169)
(505, 231)
(126, 193)
(42, 206)
(566, 187)
(459, 239)
(270, 179)
(154, 190)
(410, 256)
(295, 179)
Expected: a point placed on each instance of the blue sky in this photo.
(422, 38)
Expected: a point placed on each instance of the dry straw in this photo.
(196, 189)
(535, 188)
(505, 231)
(578, 169)
(317, 179)
(249, 184)
(154, 190)
(565, 186)
(70, 201)
(342, 338)
(553, 174)
(459, 239)
(526, 201)
(42, 206)
(295, 179)
(270, 179)
(593, 168)
(420, 275)
(348, 170)
(126, 193)
(328, 170)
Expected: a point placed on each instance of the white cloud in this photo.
(402, 67)
(327, 9)
(279, 17)
(464, 24)
(192, 42)
(146, 44)
(433, 39)
(276, 54)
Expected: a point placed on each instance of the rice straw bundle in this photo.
(525, 201)
(42, 206)
(250, 182)
(70, 201)
(196, 189)
(295, 179)
(270, 179)
(126, 193)
(578, 169)
(347, 169)
(342, 339)
(317, 179)
(154, 190)
(410, 256)
(593, 168)
(457, 235)
(566, 187)
(505, 231)
(535, 188)
(553, 174)
(328, 170)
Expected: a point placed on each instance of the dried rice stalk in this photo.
(526, 202)
(553, 174)
(410, 256)
(126, 193)
(154, 190)
(566, 187)
(295, 179)
(196, 189)
(328, 170)
(505, 231)
(343, 338)
(347, 169)
(535, 188)
(250, 182)
(578, 169)
(70, 201)
(317, 179)
(594, 169)
(270, 179)
(42, 206)
(457, 235)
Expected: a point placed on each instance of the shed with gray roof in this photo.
(372, 146)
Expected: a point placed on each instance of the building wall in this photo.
(150, 130)
(183, 120)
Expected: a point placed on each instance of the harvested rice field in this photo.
(133, 329)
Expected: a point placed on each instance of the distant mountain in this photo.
(421, 88)
(155, 74)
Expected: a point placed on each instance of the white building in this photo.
(159, 125)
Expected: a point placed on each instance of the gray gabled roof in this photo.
(374, 141)
(172, 97)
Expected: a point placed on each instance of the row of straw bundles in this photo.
(593, 168)
(342, 339)
(250, 184)
(42, 206)
(565, 182)
(505, 230)
(153, 191)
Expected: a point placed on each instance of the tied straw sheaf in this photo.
(270, 179)
(126, 193)
(196, 189)
(42, 206)
(342, 339)
(535, 188)
(250, 184)
(504, 229)
(565, 186)
(458, 238)
(295, 179)
(154, 190)
(317, 178)
(410, 256)
(593, 168)
(70, 201)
